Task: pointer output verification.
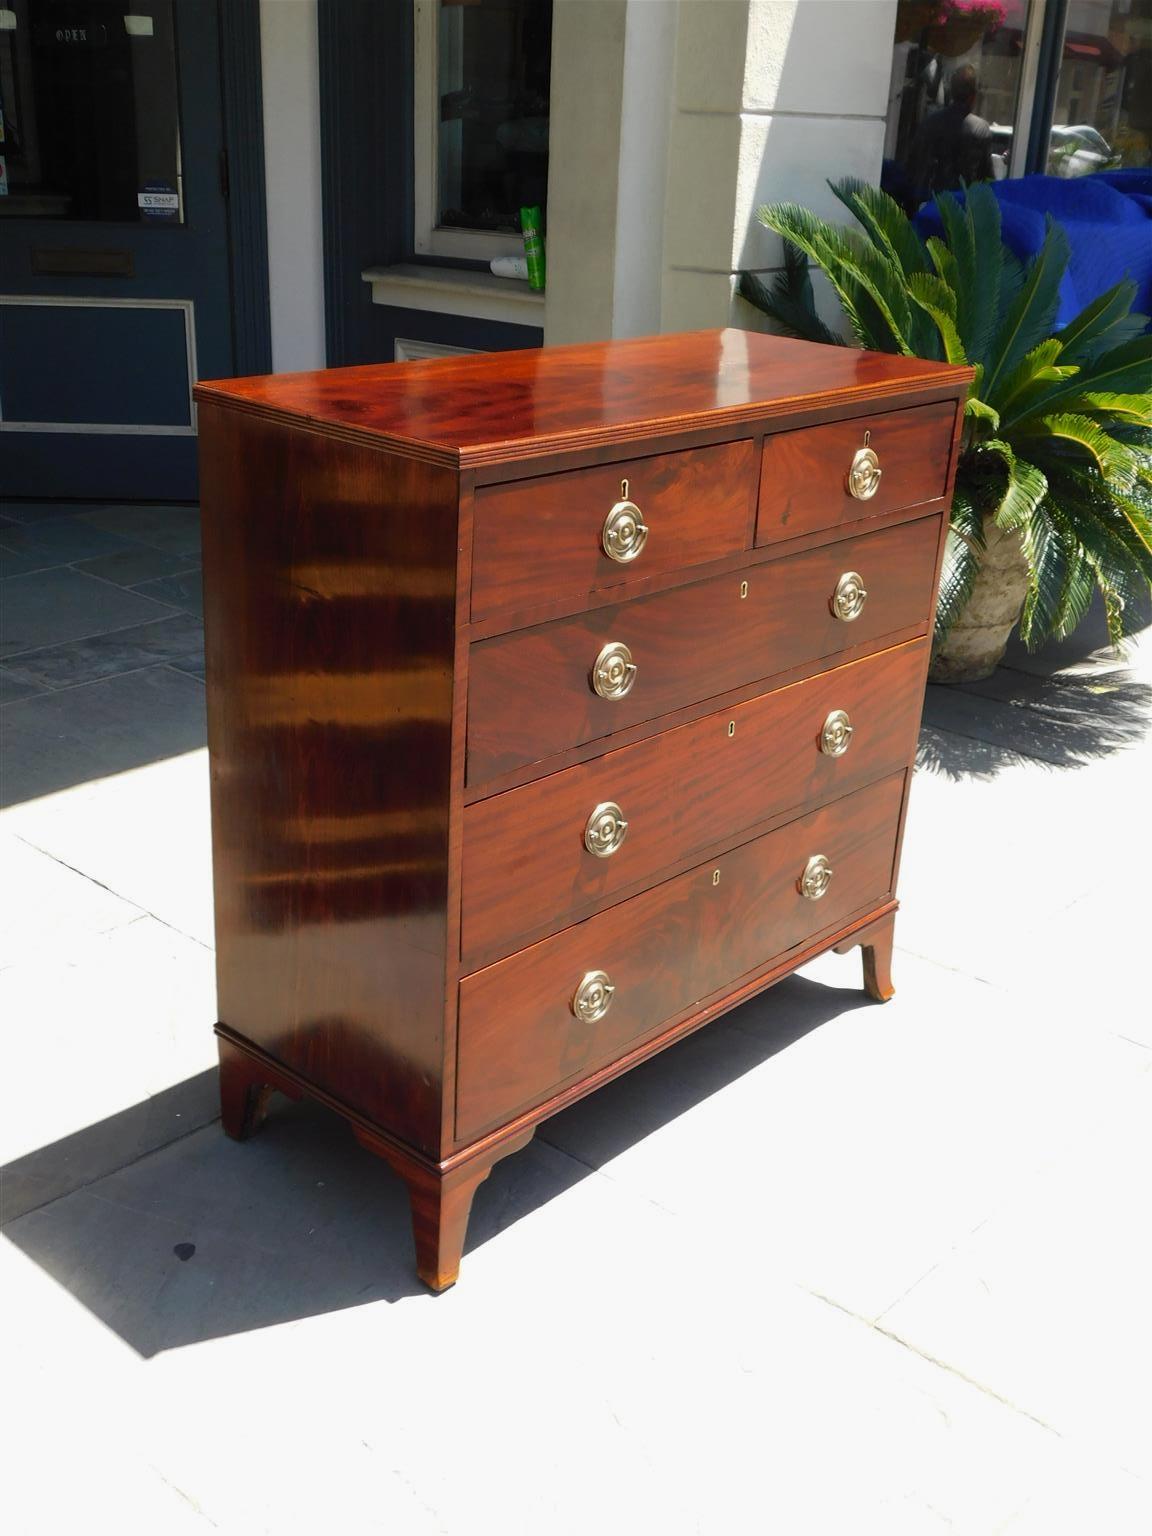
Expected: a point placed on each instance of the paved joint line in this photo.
(51, 690)
(951, 1370)
(140, 911)
(88, 1187)
(985, 741)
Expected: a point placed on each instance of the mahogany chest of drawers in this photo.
(558, 701)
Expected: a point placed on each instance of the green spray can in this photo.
(533, 247)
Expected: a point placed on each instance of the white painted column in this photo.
(772, 98)
(289, 59)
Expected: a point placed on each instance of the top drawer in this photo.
(807, 481)
(577, 533)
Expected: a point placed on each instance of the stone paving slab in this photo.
(144, 833)
(48, 607)
(1046, 1302)
(99, 730)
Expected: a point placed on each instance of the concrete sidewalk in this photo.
(826, 1267)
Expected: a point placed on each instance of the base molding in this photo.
(441, 1190)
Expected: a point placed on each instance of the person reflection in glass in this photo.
(953, 146)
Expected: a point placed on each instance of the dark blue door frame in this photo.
(106, 361)
(366, 159)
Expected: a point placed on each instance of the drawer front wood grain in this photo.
(530, 693)
(804, 474)
(679, 792)
(663, 952)
(544, 537)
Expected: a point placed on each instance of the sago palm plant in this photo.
(1053, 491)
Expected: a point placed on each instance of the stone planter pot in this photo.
(979, 637)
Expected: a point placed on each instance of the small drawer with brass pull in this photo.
(613, 671)
(864, 472)
(836, 733)
(849, 597)
(605, 830)
(593, 997)
(584, 530)
(625, 532)
(819, 477)
(816, 879)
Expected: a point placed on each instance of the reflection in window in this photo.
(89, 111)
(956, 70)
(1103, 114)
(493, 63)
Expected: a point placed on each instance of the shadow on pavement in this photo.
(207, 1237)
(1066, 720)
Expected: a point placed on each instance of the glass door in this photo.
(114, 283)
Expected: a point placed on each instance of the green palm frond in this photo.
(1082, 437)
(1030, 318)
(1047, 549)
(855, 269)
(1025, 486)
(789, 300)
(1031, 379)
(1057, 434)
(938, 301)
(1126, 369)
(1105, 323)
(962, 550)
(885, 221)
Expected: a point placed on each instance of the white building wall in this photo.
(672, 121)
(770, 99)
(289, 59)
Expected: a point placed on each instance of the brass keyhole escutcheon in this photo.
(864, 472)
(593, 997)
(849, 597)
(605, 830)
(625, 532)
(836, 735)
(613, 671)
(816, 879)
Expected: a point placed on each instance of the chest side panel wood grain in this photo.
(329, 576)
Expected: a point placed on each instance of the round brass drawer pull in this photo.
(817, 877)
(613, 671)
(625, 532)
(836, 736)
(849, 597)
(605, 830)
(593, 997)
(864, 473)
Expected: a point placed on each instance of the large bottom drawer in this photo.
(545, 1017)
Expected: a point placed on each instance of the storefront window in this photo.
(1103, 113)
(957, 68)
(482, 83)
(89, 125)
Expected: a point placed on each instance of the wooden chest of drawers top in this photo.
(526, 664)
(493, 411)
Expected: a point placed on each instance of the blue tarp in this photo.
(1108, 220)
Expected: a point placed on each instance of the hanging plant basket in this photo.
(949, 27)
(914, 17)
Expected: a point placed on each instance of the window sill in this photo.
(453, 291)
